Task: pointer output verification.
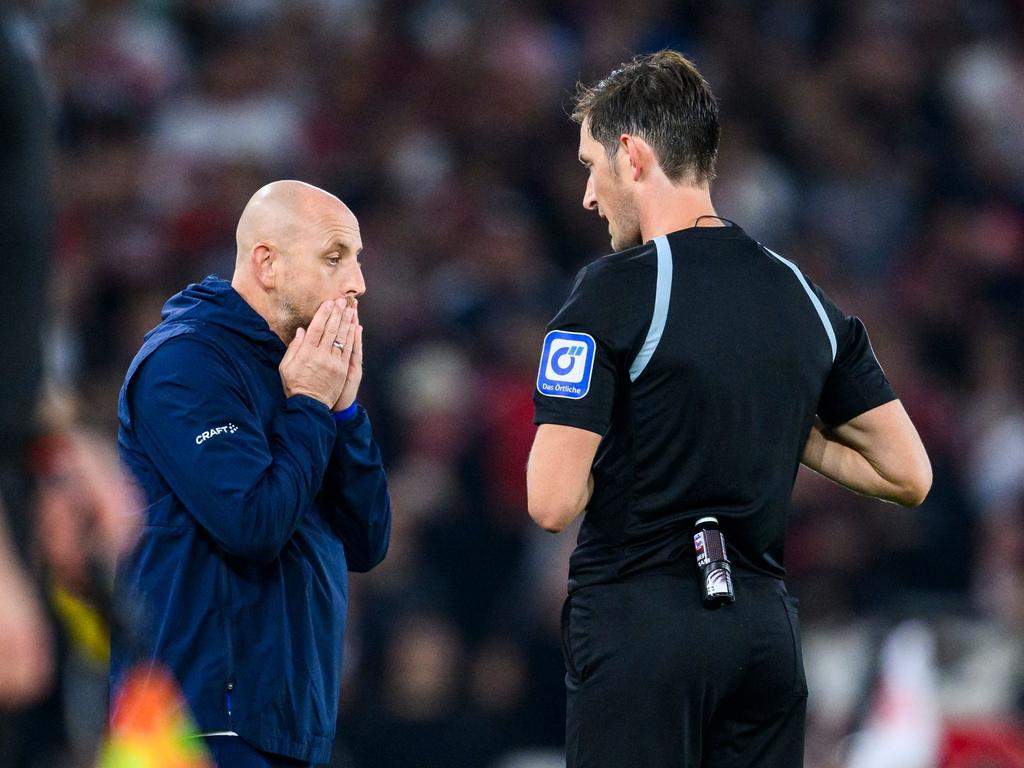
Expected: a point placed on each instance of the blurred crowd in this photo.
(879, 144)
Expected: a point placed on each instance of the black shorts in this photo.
(655, 679)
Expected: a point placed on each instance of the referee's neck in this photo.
(666, 207)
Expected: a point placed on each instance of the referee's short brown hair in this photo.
(663, 99)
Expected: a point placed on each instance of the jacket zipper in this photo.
(229, 685)
(227, 696)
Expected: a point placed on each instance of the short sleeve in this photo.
(576, 378)
(856, 383)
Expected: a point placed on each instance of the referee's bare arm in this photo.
(558, 479)
(878, 453)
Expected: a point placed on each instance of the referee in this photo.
(684, 380)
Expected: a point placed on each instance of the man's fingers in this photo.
(293, 347)
(357, 341)
(355, 362)
(315, 332)
(334, 330)
(348, 339)
(342, 334)
(357, 347)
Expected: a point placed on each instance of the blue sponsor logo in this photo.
(566, 364)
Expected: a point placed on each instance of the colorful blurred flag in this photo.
(151, 727)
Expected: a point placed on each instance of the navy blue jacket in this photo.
(257, 505)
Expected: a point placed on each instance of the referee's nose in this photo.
(589, 196)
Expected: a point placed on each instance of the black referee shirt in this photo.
(701, 358)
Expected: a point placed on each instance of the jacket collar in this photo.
(215, 302)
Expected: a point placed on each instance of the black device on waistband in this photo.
(715, 568)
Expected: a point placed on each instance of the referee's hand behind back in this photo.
(313, 365)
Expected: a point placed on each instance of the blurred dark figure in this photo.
(24, 228)
(415, 721)
(25, 224)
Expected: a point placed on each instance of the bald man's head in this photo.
(297, 246)
(280, 209)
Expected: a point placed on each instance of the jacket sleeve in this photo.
(246, 487)
(358, 491)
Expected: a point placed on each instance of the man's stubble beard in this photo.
(291, 319)
(627, 230)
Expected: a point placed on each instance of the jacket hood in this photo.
(215, 302)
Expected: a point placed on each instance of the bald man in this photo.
(238, 417)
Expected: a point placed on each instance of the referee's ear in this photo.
(638, 154)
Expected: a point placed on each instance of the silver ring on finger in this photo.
(339, 345)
